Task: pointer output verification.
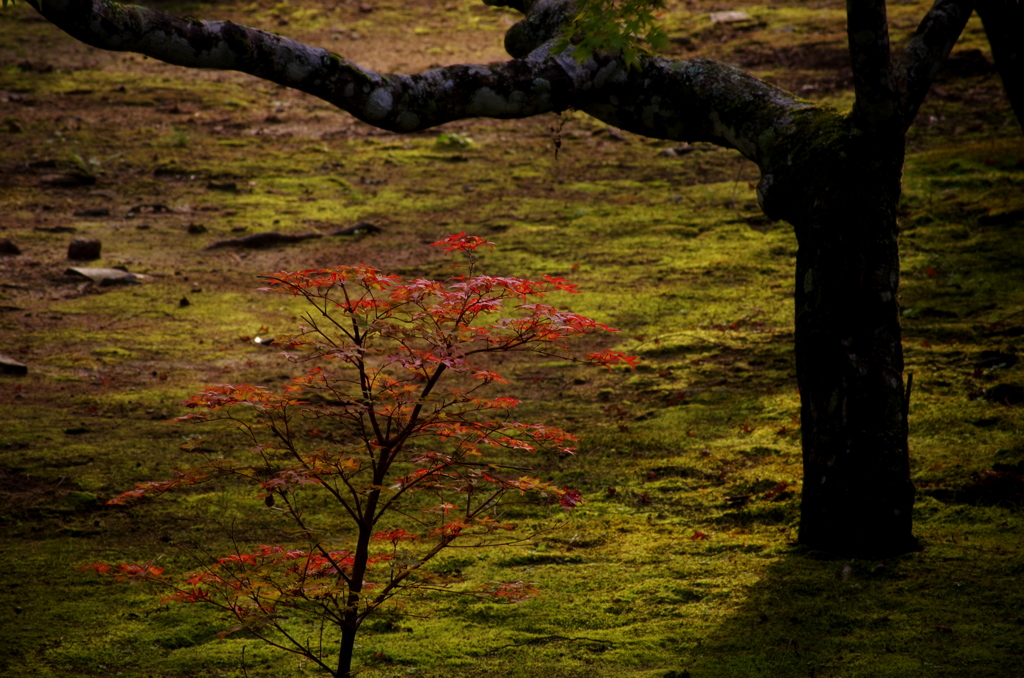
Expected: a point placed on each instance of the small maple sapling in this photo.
(389, 426)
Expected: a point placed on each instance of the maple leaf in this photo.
(571, 499)
(395, 536)
(462, 243)
(610, 358)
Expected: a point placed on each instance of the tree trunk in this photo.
(841, 196)
(1004, 25)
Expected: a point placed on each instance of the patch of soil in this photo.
(1003, 485)
(811, 56)
(24, 497)
(968, 63)
(1005, 394)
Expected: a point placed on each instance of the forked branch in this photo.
(876, 105)
(928, 50)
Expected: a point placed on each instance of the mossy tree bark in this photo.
(857, 493)
(835, 178)
(842, 198)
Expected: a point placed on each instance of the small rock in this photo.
(56, 229)
(106, 277)
(196, 229)
(84, 249)
(9, 365)
(184, 302)
(732, 17)
(263, 240)
(359, 228)
(365, 8)
(676, 151)
(13, 127)
(95, 212)
(932, 312)
(150, 208)
(35, 67)
(9, 247)
(67, 180)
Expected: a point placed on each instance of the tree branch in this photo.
(544, 23)
(874, 84)
(928, 50)
(696, 100)
(393, 102)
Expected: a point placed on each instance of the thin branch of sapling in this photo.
(402, 436)
(297, 518)
(393, 499)
(333, 612)
(326, 554)
(494, 544)
(320, 641)
(385, 593)
(357, 502)
(334, 492)
(422, 480)
(297, 648)
(402, 512)
(367, 391)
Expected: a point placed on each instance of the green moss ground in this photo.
(702, 438)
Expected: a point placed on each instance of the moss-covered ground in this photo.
(703, 439)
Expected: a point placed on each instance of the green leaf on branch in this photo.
(629, 28)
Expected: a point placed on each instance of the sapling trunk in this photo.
(355, 583)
